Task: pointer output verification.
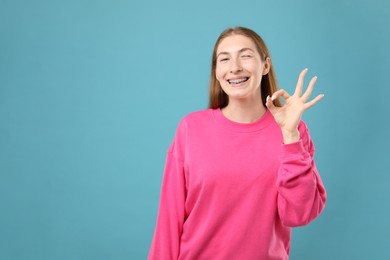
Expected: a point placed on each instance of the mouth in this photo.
(237, 81)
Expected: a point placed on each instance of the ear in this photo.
(267, 65)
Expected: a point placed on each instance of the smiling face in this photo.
(239, 67)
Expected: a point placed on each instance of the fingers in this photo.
(299, 87)
(314, 101)
(297, 98)
(280, 93)
(309, 89)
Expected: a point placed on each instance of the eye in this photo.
(223, 59)
(246, 56)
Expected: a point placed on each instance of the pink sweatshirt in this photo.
(233, 191)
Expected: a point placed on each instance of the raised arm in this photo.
(301, 193)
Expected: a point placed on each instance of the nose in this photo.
(235, 66)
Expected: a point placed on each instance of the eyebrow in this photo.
(242, 50)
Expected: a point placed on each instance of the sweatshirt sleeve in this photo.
(171, 212)
(301, 193)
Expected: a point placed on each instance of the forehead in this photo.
(234, 43)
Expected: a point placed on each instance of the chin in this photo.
(240, 96)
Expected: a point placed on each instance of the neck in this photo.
(244, 111)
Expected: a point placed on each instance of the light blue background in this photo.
(91, 93)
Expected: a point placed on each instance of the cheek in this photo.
(254, 66)
(219, 73)
(256, 70)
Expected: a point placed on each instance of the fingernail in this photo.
(272, 98)
(267, 98)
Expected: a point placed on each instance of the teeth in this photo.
(237, 81)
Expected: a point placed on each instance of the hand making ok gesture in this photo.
(289, 115)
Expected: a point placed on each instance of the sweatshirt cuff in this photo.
(294, 149)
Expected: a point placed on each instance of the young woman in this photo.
(240, 174)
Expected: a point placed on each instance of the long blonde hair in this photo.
(217, 97)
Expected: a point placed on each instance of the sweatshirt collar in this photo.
(258, 125)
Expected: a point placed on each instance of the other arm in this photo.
(171, 212)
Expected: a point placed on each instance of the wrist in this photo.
(290, 136)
